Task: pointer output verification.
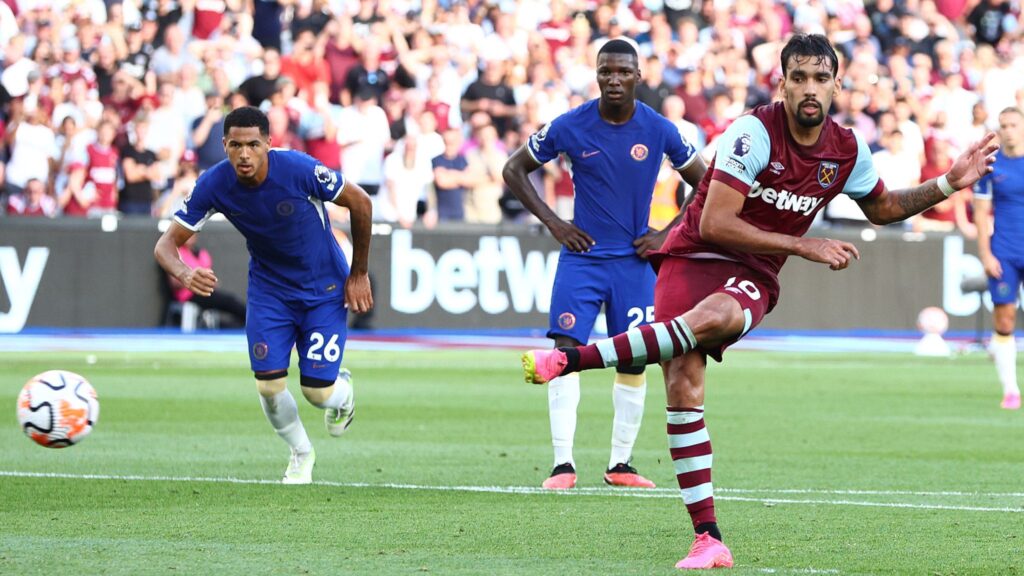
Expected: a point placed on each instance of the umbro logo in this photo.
(591, 153)
(777, 168)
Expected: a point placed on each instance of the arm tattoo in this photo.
(914, 200)
(898, 205)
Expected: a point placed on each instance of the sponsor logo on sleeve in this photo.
(539, 137)
(735, 165)
(325, 176)
(741, 145)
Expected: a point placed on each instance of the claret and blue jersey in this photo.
(284, 223)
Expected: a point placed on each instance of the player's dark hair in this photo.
(247, 117)
(810, 46)
(618, 46)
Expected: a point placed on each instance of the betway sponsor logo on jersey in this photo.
(784, 199)
(496, 277)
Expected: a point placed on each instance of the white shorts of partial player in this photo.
(933, 322)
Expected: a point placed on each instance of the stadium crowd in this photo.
(117, 107)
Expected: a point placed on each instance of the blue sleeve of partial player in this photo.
(324, 183)
(743, 149)
(198, 205)
(864, 178)
(545, 144)
(680, 152)
(983, 188)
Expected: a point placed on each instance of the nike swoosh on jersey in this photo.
(591, 153)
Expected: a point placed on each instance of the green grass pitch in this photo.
(824, 464)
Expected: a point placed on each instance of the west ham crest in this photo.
(828, 173)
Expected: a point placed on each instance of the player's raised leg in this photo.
(321, 347)
(283, 413)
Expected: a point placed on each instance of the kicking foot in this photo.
(1011, 402)
(542, 366)
(622, 474)
(339, 419)
(300, 468)
(562, 477)
(706, 552)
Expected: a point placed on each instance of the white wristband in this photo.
(943, 183)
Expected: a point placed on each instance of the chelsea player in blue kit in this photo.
(1001, 248)
(300, 285)
(615, 146)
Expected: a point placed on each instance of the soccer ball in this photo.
(57, 408)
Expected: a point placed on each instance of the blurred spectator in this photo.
(487, 160)
(169, 58)
(173, 199)
(653, 89)
(366, 76)
(898, 166)
(92, 179)
(256, 89)
(306, 67)
(139, 169)
(33, 148)
(267, 25)
(32, 201)
(492, 95)
(207, 132)
(363, 136)
(408, 176)
(451, 179)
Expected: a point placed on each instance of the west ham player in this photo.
(615, 146)
(1001, 250)
(299, 282)
(774, 169)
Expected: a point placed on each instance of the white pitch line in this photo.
(530, 490)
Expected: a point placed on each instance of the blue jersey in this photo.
(1005, 188)
(293, 254)
(614, 169)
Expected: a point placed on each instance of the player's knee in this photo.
(270, 384)
(631, 375)
(317, 390)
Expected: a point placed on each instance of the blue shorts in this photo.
(319, 331)
(624, 285)
(1006, 289)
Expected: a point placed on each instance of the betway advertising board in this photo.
(72, 273)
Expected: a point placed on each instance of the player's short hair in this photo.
(1012, 110)
(809, 45)
(247, 117)
(618, 46)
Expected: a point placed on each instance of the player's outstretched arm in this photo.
(201, 281)
(898, 205)
(515, 173)
(358, 294)
(720, 224)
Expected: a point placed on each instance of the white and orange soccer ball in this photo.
(57, 408)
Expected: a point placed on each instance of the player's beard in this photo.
(810, 121)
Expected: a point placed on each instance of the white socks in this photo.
(563, 399)
(629, 413)
(1004, 352)
(339, 396)
(283, 414)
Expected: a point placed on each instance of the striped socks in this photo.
(647, 344)
(690, 447)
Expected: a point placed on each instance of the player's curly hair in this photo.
(247, 117)
(810, 45)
